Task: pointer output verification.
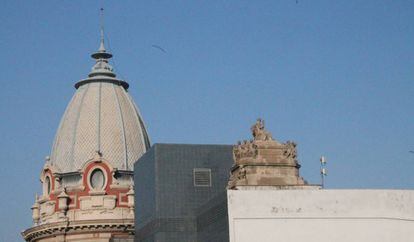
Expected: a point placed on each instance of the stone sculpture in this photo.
(264, 161)
(259, 132)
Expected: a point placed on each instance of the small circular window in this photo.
(47, 185)
(97, 179)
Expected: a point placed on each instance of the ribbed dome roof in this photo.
(100, 117)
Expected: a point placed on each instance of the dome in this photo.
(101, 118)
(88, 185)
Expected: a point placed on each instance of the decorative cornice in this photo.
(74, 227)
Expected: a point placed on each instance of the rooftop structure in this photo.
(267, 200)
(265, 162)
(88, 178)
(101, 117)
(180, 191)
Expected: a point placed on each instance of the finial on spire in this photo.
(102, 66)
(101, 54)
(102, 70)
(102, 47)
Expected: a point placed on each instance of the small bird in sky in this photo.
(411, 151)
(159, 47)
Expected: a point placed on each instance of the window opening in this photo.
(97, 179)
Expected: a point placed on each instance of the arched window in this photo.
(47, 186)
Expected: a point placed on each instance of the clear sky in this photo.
(336, 77)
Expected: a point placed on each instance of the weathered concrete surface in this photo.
(321, 215)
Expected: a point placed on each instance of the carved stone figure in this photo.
(245, 149)
(259, 132)
(237, 150)
(290, 151)
(242, 173)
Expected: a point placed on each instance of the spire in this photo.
(102, 71)
(101, 56)
(101, 23)
(102, 46)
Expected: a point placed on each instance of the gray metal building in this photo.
(180, 193)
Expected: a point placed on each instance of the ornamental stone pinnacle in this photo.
(264, 161)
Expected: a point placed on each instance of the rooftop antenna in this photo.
(324, 171)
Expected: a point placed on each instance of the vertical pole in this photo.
(101, 22)
(323, 170)
(322, 177)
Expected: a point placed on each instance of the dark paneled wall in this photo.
(167, 201)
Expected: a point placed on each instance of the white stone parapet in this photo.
(321, 215)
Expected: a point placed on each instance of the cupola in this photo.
(87, 180)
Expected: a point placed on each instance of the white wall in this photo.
(321, 215)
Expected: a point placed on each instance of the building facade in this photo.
(183, 191)
(268, 201)
(180, 191)
(321, 215)
(87, 180)
(265, 199)
(104, 183)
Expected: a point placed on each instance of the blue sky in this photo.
(337, 77)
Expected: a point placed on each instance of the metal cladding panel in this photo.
(212, 220)
(145, 186)
(175, 196)
(178, 195)
(100, 117)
